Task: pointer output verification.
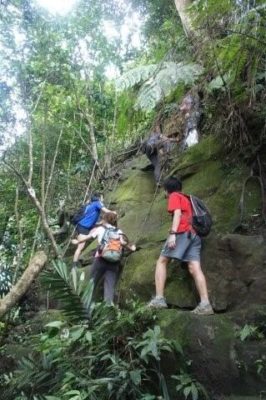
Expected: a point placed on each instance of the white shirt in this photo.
(100, 230)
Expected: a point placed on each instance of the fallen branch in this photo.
(35, 266)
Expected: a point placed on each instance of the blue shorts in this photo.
(188, 247)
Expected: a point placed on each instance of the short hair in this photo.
(172, 184)
(110, 218)
(95, 196)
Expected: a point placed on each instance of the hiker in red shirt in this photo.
(182, 244)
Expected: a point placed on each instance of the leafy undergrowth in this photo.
(110, 353)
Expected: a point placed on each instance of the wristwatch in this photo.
(172, 232)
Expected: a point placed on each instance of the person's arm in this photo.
(125, 244)
(131, 247)
(171, 241)
(102, 207)
(106, 210)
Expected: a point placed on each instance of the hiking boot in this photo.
(157, 302)
(205, 309)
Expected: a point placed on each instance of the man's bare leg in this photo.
(204, 307)
(195, 270)
(161, 275)
(79, 248)
(160, 278)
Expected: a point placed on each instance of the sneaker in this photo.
(157, 302)
(205, 309)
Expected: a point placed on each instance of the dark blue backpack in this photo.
(74, 219)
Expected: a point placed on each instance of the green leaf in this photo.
(76, 333)
(136, 376)
(88, 336)
(52, 398)
(187, 391)
(75, 297)
(55, 324)
(247, 331)
(194, 392)
(74, 278)
(72, 392)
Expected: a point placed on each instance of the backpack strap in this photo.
(106, 234)
(189, 198)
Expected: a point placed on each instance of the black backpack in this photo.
(201, 220)
(74, 219)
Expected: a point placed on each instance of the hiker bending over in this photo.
(182, 244)
(85, 220)
(153, 147)
(107, 259)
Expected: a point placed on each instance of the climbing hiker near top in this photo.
(190, 108)
(156, 145)
(182, 244)
(112, 243)
(86, 219)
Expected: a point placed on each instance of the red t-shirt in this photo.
(177, 201)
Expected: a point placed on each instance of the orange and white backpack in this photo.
(111, 248)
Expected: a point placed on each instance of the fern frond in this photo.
(165, 81)
(135, 76)
(218, 82)
(159, 81)
(70, 288)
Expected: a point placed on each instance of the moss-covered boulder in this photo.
(220, 360)
(233, 263)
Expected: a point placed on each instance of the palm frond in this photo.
(70, 288)
(159, 81)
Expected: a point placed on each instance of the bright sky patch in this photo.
(61, 7)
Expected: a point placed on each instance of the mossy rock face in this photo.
(208, 342)
(138, 279)
(233, 264)
(253, 198)
(138, 274)
(179, 290)
(235, 270)
(144, 219)
(207, 149)
(220, 361)
(203, 174)
(137, 188)
(148, 222)
(136, 163)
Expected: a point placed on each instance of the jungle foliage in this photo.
(63, 125)
(105, 353)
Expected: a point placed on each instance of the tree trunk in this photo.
(181, 6)
(32, 271)
(93, 142)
